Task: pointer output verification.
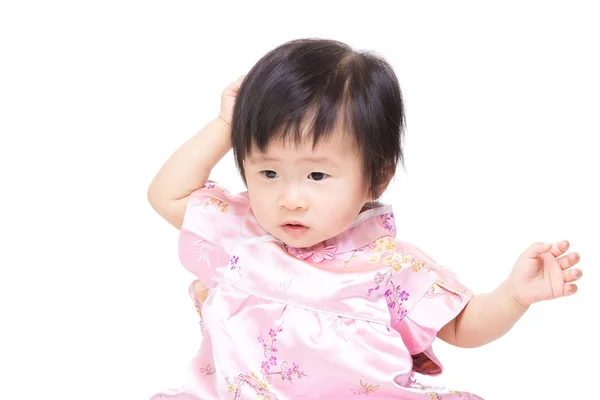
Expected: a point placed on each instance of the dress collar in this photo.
(367, 227)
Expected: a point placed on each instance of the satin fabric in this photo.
(353, 316)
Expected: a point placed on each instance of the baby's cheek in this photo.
(340, 217)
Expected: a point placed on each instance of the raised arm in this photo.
(188, 168)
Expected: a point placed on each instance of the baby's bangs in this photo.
(328, 112)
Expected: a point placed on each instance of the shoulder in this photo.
(213, 195)
(390, 252)
(214, 202)
(210, 228)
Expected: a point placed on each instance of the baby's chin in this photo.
(297, 242)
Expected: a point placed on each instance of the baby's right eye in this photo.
(270, 174)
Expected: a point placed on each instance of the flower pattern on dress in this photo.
(365, 389)
(283, 288)
(233, 264)
(318, 252)
(339, 327)
(386, 252)
(440, 288)
(211, 201)
(203, 249)
(209, 370)
(437, 392)
(270, 367)
(388, 222)
(260, 387)
(394, 294)
(354, 257)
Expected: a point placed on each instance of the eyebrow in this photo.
(323, 160)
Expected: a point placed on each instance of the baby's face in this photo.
(302, 195)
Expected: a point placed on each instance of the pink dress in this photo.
(353, 316)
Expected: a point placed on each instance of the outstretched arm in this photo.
(542, 272)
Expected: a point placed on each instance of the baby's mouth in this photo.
(294, 228)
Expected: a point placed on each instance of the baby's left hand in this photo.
(542, 272)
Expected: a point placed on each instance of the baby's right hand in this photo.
(228, 100)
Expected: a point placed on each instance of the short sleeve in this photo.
(210, 228)
(439, 304)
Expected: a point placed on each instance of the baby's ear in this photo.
(385, 177)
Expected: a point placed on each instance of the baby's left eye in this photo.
(317, 176)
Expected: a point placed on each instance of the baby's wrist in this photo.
(226, 124)
(510, 293)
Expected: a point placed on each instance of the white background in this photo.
(502, 105)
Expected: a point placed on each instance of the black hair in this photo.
(329, 85)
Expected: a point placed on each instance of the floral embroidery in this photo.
(388, 222)
(271, 360)
(318, 252)
(202, 249)
(339, 327)
(283, 288)
(435, 392)
(211, 201)
(209, 370)
(417, 265)
(430, 390)
(260, 387)
(385, 251)
(269, 369)
(366, 389)
(209, 186)
(381, 278)
(233, 264)
(354, 257)
(394, 295)
(439, 288)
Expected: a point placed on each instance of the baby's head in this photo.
(316, 131)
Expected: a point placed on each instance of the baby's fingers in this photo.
(572, 275)
(568, 260)
(536, 249)
(559, 248)
(569, 289)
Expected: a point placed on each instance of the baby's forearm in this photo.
(486, 318)
(188, 169)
